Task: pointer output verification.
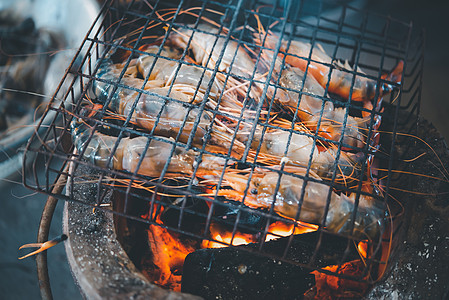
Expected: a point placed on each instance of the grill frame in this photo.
(70, 97)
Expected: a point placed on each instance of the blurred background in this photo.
(432, 16)
(20, 209)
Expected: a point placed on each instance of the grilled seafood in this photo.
(172, 115)
(114, 91)
(301, 150)
(207, 49)
(304, 96)
(109, 75)
(161, 74)
(166, 108)
(341, 77)
(312, 108)
(190, 80)
(168, 116)
(207, 45)
(164, 68)
(306, 202)
(97, 148)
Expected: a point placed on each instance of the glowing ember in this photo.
(280, 229)
(168, 258)
(225, 241)
(224, 238)
(333, 287)
(362, 248)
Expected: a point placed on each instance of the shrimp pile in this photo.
(198, 101)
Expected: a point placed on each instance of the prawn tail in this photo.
(369, 220)
(81, 133)
(90, 144)
(80, 130)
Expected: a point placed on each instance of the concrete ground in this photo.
(19, 220)
(20, 209)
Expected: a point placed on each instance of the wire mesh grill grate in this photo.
(197, 139)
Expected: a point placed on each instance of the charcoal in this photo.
(332, 249)
(227, 273)
(193, 216)
(249, 222)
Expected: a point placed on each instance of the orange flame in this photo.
(168, 257)
(362, 248)
(169, 252)
(333, 287)
(280, 229)
(224, 238)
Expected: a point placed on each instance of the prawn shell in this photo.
(169, 116)
(207, 48)
(155, 157)
(308, 93)
(307, 201)
(288, 198)
(101, 91)
(164, 71)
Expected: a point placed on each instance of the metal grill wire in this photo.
(373, 43)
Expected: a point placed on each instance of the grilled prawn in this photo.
(168, 115)
(301, 150)
(97, 148)
(306, 202)
(341, 78)
(109, 81)
(166, 110)
(312, 108)
(296, 148)
(207, 46)
(305, 96)
(164, 67)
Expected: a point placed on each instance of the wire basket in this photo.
(202, 112)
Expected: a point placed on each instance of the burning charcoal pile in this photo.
(24, 60)
(223, 128)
